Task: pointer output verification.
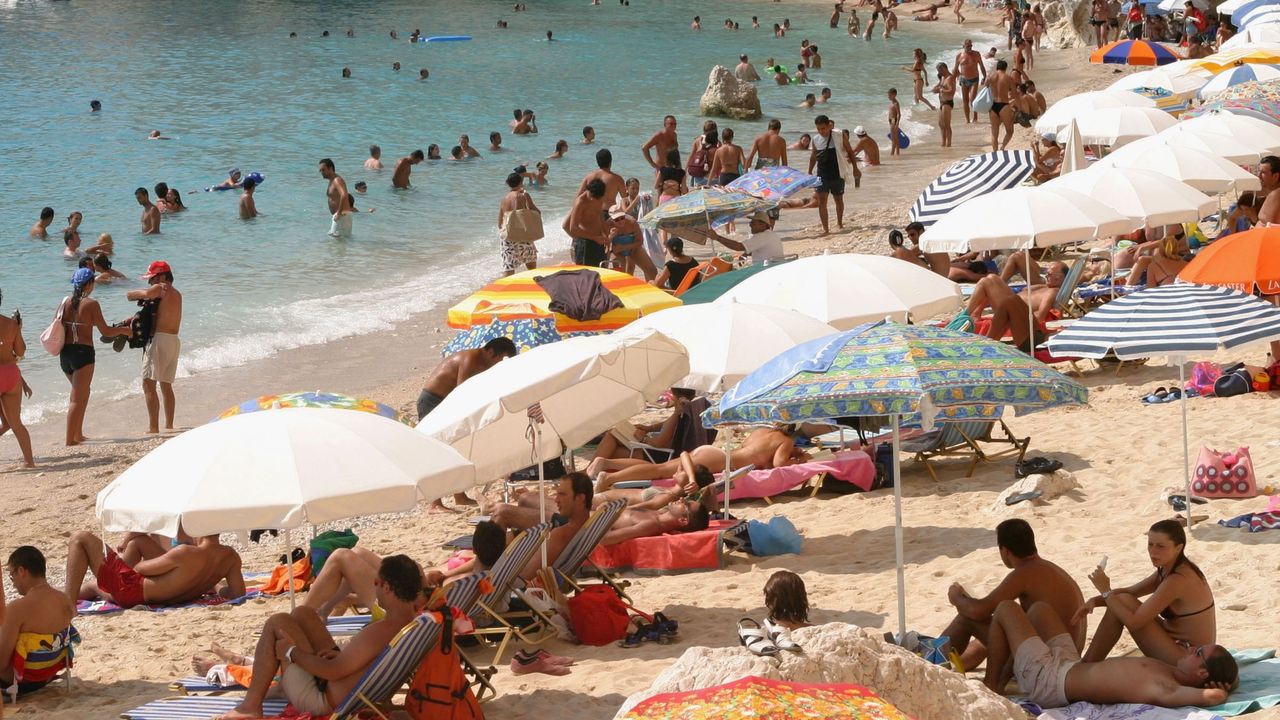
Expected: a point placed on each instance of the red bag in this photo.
(598, 616)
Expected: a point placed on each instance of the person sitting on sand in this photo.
(684, 515)
(1031, 579)
(1050, 672)
(572, 501)
(765, 448)
(32, 622)
(787, 600)
(1178, 612)
(1047, 155)
(315, 673)
(180, 575)
(1009, 309)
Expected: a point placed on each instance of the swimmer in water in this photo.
(540, 178)
(809, 101)
(233, 179)
(71, 234)
(396, 66)
(155, 135)
(457, 154)
(248, 209)
(549, 38)
(588, 135)
(173, 201)
(495, 142)
(423, 74)
(102, 265)
(95, 106)
(346, 72)
(105, 246)
(362, 187)
(562, 147)
(464, 142)
(374, 161)
(400, 178)
(825, 95)
(801, 143)
(433, 152)
(526, 125)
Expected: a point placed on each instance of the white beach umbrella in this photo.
(1060, 113)
(281, 469)
(727, 341)
(847, 290)
(1224, 146)
(1121, 125)
(1073, 158)
(1023, 218)
(1201, 170)
(1145, 196)
(1258, 17)
(1230, 6)
(1178, 5)
(1248, 130)
(1263, 36)
(1177, 80)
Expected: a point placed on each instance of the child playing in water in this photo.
(105, 246)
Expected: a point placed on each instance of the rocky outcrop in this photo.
(1068, 23)
(727, 96)
(841, 653)
(1050, 486)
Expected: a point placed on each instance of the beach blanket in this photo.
(104, 607)
(853, 466)
(1254, 522)
(196, 707)
(1259, 683)
(1125, 711)
(672, 552)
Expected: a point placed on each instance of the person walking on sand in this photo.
(80, 315)
(969, 68)
(160, 357)
(825, 158)
(12, 384)
(895, 120)
(920, 77)
(515, 254)
(1001, 85)
(946, 89)
(955, 8)
(341, 206)
(404, 166)
(150, 213)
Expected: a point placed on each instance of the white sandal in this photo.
(781, 636)
(755, 638)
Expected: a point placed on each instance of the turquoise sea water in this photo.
(225, 81)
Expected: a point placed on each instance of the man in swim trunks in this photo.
(160, 357)
(1010, 309)
(1048, 667)
(678, 516)
(1001, 84)
(374, 162)
(31, 621)
(769, 148)
(587, 226)
(1032, 579)
(182, 574)
(969, 68)
(315, 673)
(614, 185)
(41, 229)
(661, 142)
(572, 502)
(341, 206)
(404, 166)
(824, 157)
(150, 213)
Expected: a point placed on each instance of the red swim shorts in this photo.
(118, 579)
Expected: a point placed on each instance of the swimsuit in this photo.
(728, 177)
(75, 356)
(306, 692)
(996, 107)
(10, 377)
(628, 239)
(1041, 669)
(160, 358)
(341, 227)
(588, 252)
(968, 82)
(762, 162)
(427, 401)
(517, 254)
(120, 581)
(676, 272)
(948, 103)
(828, 166)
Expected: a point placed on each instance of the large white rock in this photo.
(842, 653)
(1059, 482)
(727, 96)
(1068, 23)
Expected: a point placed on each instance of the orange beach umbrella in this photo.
(1243, 261)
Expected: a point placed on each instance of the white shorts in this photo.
(342, 226)
(160, 358)
(517, 255)
(1041, 669)
(300, 688)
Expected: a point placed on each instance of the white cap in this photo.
(859, 131)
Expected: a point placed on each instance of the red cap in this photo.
(157, 267)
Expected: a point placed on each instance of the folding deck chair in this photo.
(51, 663)
(959, 439)
(505, 577)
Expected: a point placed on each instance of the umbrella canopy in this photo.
(704, 206)
(1264, 110)
(761, 699)
(1133, 52)
(1023, 218)
(1248, 261)
(281, 469)
(1176, 82)
(583, 385)
(1073, 158)
(520, 294)
(315, 399)
(1201, 170)
(1258, 17)
(713, 287)
(1178, 5)
(1253, 132)
(1144, 196)
(1259, 37)
(1224, 146)
(525, 332)
(1233, 76)
(1261, 89)
(968, 178)
(847, 290)
(1229, 6)
(1122, 125)
(728, 340)
(1220, 61)
(1056, 117)
(774, 182)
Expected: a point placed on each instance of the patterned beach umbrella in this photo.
(1265, 110)
(774, 183)
(525, 332)
(315, 399)
(761, 699)
(1133, 52)
(521, 295)
(1218, 62)
(704, 206)
(1246, 261)
(968, 178)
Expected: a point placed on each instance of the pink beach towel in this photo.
(852, 466)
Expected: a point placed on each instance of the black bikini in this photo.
(1168, 613)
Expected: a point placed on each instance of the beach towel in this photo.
(852, 466)
(1254, 522)
(652, 240)
(579, 294)
(1259, 683)
(197, 707)
(1125, 711)
(104, 607)
(672, 552)
(278, 582)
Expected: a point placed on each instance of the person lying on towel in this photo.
(182, 574)
(765, 448)
(30, 623)
(685, 515)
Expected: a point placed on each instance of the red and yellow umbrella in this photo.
(1245, 261)
(521, 295)
(761, 699)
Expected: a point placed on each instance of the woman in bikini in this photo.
(920, 76)
(946, 89)
(1178, 614)
(12, 385)
(80, 315)
(1162, 266)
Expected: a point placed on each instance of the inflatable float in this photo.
(445, 38)
(904, 142)
(256, 177)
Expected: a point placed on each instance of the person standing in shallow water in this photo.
(341, 205)
(12, 384)
(80, 315)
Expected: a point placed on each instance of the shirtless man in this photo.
(495, 142)
(160, 357)
(1269, 176)
(374, 162)
(41, 229)
(895, 120)
(614, 185)
(248, 209)
(769, 148)
(39, 613)
(728, 161)
(661, 142)
(182, 574)
(341, 206)
(1010, 309)
(1032, 579)
(745, 71)
(150, 213)
(969, 67)
(866, 147)
(1049, 669)
(317, 674)
(464, 142)
(525, 124)
(587, 226)
(573, 496)
(677, 516)
(764, 448)
(1001, 113)
(404, 166)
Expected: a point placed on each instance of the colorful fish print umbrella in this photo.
(774, 182)
(525, 332)
(704, 206)
(316, 399)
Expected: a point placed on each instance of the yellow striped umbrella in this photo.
(1218, 62)
(521, 293)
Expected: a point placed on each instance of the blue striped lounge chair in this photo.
(577, 553)
(491, 613)
(961, 439)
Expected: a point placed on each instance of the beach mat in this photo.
(1259, 683)
(106, 607)
(1126, 711)
(195, 685)
(196, 708)
(668, 553)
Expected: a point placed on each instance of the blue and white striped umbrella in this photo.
(973, 176)
(1236, 75)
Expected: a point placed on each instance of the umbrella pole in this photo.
(728, 472)
(1031, 315)
(897, 530)
(542, 480)
(288, 563)
(1186, 457)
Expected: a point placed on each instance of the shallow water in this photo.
(227, 84)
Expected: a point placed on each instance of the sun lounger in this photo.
(188, 708)
(671, 552)
(961, 439)
(852, 466)
(576, 554)
(490, 611)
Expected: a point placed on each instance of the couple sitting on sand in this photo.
(1036, 617)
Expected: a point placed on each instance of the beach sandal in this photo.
(781, 636)
(1036, 466)
(1155, 397)
(962, 322)
(754, 638)
(666, 626)
(1023, 496)
(1172, 395)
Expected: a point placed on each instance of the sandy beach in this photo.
(1122, 454)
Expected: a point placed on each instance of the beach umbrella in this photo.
(728, 340)
(1121, 125)
(761, 699)
(1267, 90)
(1178, 5)
(1259, 17)
(1265, 110)
(1176, 80)
(887, 368)
(1229, 6)
(1203, 171)
(525, 332)
(1259, 37)
(1133, 52)
(1144, 196)
(1056, 117)
(1248, 261)
(1220, 61)
(1224, 146)
(1073, 158)
(521, 295)
(968, 178)
(703, 207)
(847, 289)
(315, 399)
(1173, 320)
(1248, 130)
(1233, 76)
(774, 182)
(720, 283)
(1023, 218)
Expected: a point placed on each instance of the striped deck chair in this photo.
(1065, 301)
(42, 659)
(960, 439)
(490, 610)
(577, 553)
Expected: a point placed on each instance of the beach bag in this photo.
(1203, 375)
(776, 537)
(439, 689)
(522, 225)
(699, 162)
(1224, 475)
(55, 336)
(598, 615)
(982, 101)
(1235, 380)
(323, 545)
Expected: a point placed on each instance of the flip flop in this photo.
(781, 636)
(1155, 397)
(1020, 497)
(1172, 395)
(1036, 466)
(754, 638)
